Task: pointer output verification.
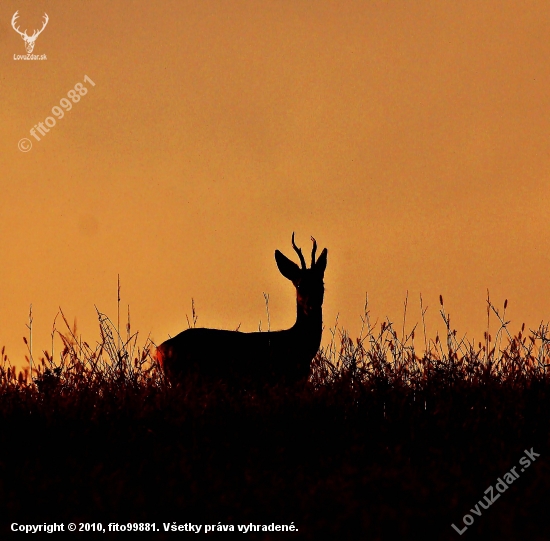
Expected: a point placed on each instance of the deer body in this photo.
(262, 357)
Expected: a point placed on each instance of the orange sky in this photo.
(410, 138)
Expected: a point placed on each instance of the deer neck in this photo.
(312, 322)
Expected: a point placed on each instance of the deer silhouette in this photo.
(258, 357)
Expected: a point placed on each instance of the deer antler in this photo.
(313, 252)
(299, 252)
(13, 21)
(36, 33)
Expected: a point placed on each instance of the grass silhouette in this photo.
(382, 442)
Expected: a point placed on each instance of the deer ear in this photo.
(288, 268)
(321, 263)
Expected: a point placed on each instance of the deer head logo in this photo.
(29, 40)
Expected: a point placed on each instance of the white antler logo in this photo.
(29, 40)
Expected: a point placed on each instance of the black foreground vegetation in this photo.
(383, 442)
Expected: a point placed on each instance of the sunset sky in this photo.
(412, 139)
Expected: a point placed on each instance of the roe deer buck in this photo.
(257, 357)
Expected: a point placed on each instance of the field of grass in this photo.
(393, 437)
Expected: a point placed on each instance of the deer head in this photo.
(308, 282)
(29, 40)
